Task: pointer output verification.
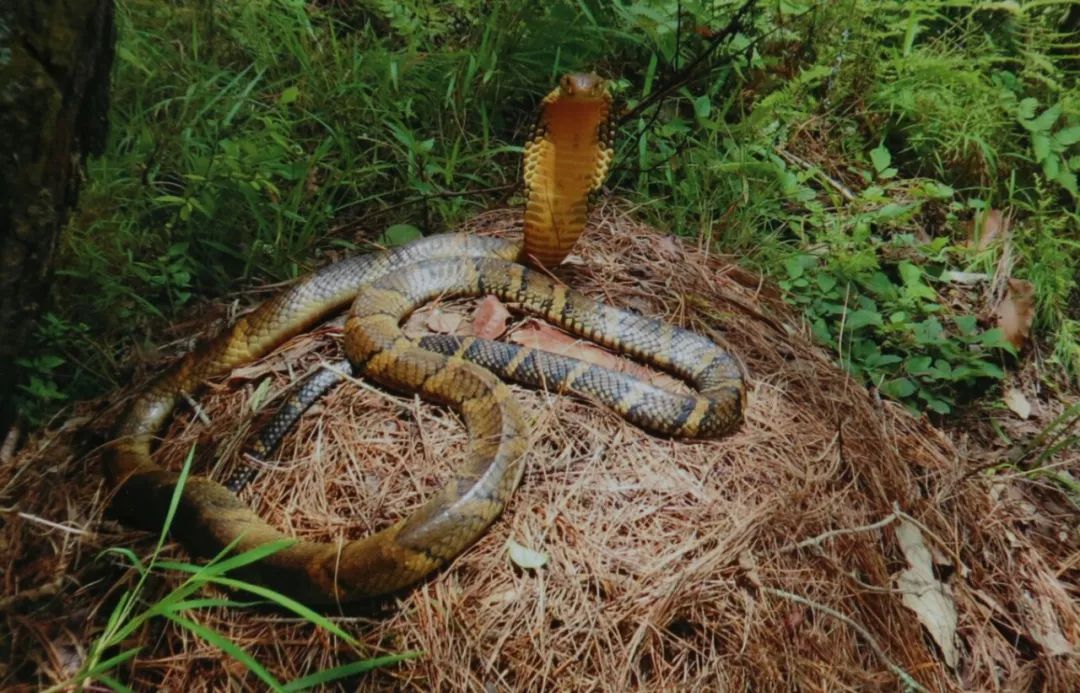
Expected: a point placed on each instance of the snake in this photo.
(565, 162)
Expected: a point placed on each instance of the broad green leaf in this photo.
(794, 266)
(1067, 180)
(288, 96)
(909, 273)
(1026, 108)
(966, 324)
(1067, 136)
(702, 107)
(1040, 146)
(918, 365)
(399, 234)
(880, 158)
(826, 282)
(1045, 121)
(861, 318)
(898, 388)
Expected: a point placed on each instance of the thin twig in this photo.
(844, 191)
(31, 595)
(54, 525)
(199, 413)
(821, 538)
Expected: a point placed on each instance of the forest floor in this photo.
(836, 541)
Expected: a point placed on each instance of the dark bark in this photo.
(55, 57)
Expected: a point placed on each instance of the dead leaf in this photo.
(667, 245)
(964, 277)
(489, 319)
(989, 228)
(1016, 312)
(444, 323)
(540, 335)
(1042, 624)
(749, 564)
(1015, 400)
(524, 557)
(259, 396)
(924, 594)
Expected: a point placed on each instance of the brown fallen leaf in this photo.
(666, 246)
(444, 323)
(1016, 312)
(989, 228)
(540, 335)
(930, 599)
(489, 319)
(1015, 400)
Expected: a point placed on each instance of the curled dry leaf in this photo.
(540, 335)
(1042, 624)
(930, 599)
(524, 557)
(1016, 312)
(1015, 400)
(444, 323)
(489, 319)
(991, 227)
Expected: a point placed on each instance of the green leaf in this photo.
(880, 158)
(702, 107)
(1067, 136)
(794, 266)
(1045, 121)
(966, 324)
(909, 273)
(1067, 180)
(933, 402)
(861, 318)
(320, 678)
(399, 234)
(288, 96)
(1026, 108)
(1051, 166)
(898, 388)
(1040, 145)
(826, 282)
(918, 365)
(893, 210)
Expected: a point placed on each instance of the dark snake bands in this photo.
(463, 373)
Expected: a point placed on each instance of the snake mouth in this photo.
(582, 85)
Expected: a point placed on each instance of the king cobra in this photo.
(565, 162)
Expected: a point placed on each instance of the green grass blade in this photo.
(321, 678)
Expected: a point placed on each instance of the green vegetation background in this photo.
(843, 148)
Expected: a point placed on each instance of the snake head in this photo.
(582, 85)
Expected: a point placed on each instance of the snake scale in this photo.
(566, 160)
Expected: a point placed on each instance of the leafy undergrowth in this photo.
(851, 151)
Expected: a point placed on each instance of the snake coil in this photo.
(566, 161)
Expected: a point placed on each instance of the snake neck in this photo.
(566, 161)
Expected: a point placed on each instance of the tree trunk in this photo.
(55, 57)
